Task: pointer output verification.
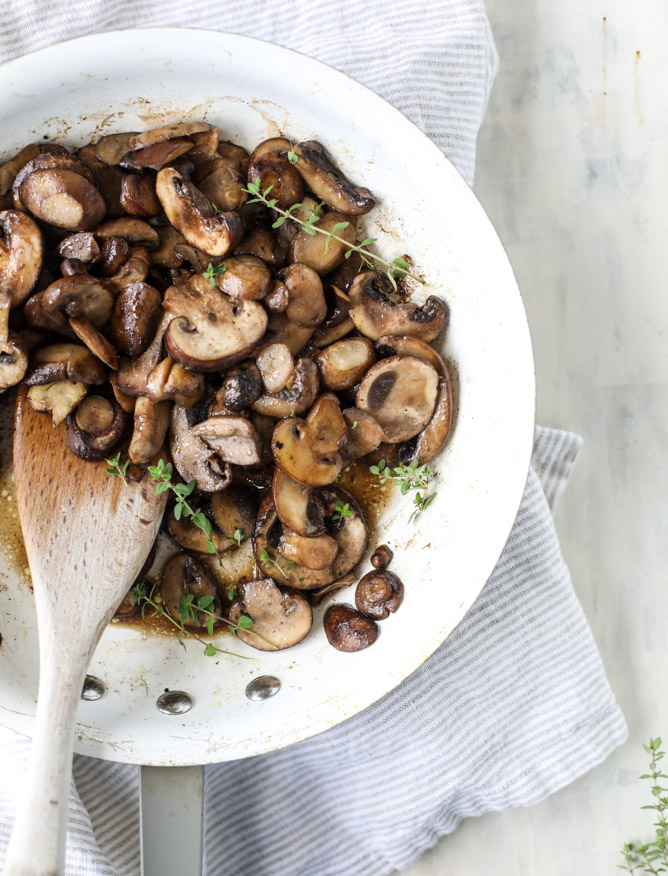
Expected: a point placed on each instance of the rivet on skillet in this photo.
(175, 702)
(92, 688)
(263, 687)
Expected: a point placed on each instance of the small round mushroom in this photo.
(273, 170)
(60, 361)
(242, 385)
(317, 552)
(343, 364)
(135, 318)
(170, 381)
(210, 331)
(192, 214)
(306, 299)
(193, 458)
(151, 421)
(299, 508)
(281, 619)
(400, 393)
(276, 366)
(374, 314)
(59, 398)
(326, 181)
(20, 254)
(381, 557)
(13, 362)
(184, 575)
(62, 198)
(246, 277)
(349, 630)
(96, 428)
(319, 253)
(296, 398)
(234, 439)
(379, 593)
(81, 246)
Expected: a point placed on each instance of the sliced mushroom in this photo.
(135, 231)
(151, 421)
(308, 450)
(170, 381)
(381, 557)
(299, 508)
(281, 619)
(246, 277)
(68, 297)
(298, 395)
(59, 398)
(276, 366)
(115, 252)
(193, 458)
(400, 393)
(210, 331)
(234, 439)
(260, 242)
(379, 593)
(62, 198)
(343, 364)
(233, 151)
(433, 436)
(272, 146)
(234, 511)
(272, 170)
(134, 270)
(184, 575)
(242, 385)
(317, 251)
(138, 197)
(10, 168)
(317, 552)
(224, 186)
(52, 161)
(113, 147)
(349, 630)
(204, 142)
(281, 331)
(316, 595)
(306, 299)
(13, 362)
(96, 428)
(65, 361)
(193, 215)
(326, 181)
(134, 321)
(374, 314)
(364, 433)
(96, 343)
(193, 538)
(166, 132)
(133, 374)
(350, 533)
(157, 155)
(81, 246)
(323, 337)
(127, 402)
(20, 254)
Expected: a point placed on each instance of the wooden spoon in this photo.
(87, 535)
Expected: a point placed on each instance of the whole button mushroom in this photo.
(349, 630)
(381, 557)
(379, 593)
(96, 428)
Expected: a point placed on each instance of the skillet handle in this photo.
(171, 806)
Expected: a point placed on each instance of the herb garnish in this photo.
(293, 158)
(117, 470)
(162, 475)
(341, 510)
(408, 477)
(211, 273)
(267, 561)
(646, 855)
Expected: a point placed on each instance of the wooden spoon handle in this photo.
(37, 845)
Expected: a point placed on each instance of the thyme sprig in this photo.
(267, 562)
(408, 477)
(653, 855)
(115, 469)
(341, 510)
(396, 269)
(211, 273)
(162, 476)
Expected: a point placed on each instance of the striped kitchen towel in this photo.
(515, 704)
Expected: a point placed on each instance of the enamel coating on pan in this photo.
(139, 79)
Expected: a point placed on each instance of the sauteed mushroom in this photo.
(315, 252)
(234, 439)
(306, 299)
(59, 398)
(96, 428)
(242, 385)
(298, 395)
(193, 458)
(20, 254)
(184, 575)
(246, 277)
(379, 593)
(276, 366)
(349, 630)
(62, 198)
(281, 619)
(308, 450)
(135, 318)
(381, 557)
(60, 361)
(344, 363)
(299, 507)
(151, 421)
(329, 183)
(169, 380)
(13, 362)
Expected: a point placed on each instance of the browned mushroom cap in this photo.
(138, 197)
(260, 242)
(306, 298)
(110, 149)
(323, 337)
(210, 331)
(327, 182)
(193, 215)
(228, 149)
(364, 433)
(234, 439)
(134, 270)
(374, 314)
(20, 254)
(271, 170)
(298, 395)
(272, 146)
(349, 630)
(135, 318)
(281, 331)
(316, 552)
(81, 246)
(115, 252)
(133, 374)
(13, 362)
(166, 132)
(299, 508)
(96, 428)
(60, 361)
(62, 198)
(170, 381)
(165, 257)
(234, 510)
(157, 155)
(135, 231)
(281, 619)
(96, 343)
(319, 253)
(308, 450)
(277, 298)
(381, 557)
(80, 295)
(193, 458)
(52, 161)
(379, 593)
(433, 436)
(10, 168)
(350, 533)
(204, 142)
(343, 364)
(224, 186)
(151, 421)
(193, 538)
(276, 366)
(59, 398)
(242, 385)
(185, 575)
(245, 277)
(400, 393)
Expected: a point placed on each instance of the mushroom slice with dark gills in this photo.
(182, 576)
(432, 438)
(210, 331)
(349, 630)
(234, 439)
(62, 198)
(308, 450)
(379, 593)
(327, 182)
(280, 618)
(299, 507)
(13, 361)
(21, 253)
(374, 314)
(349, 532)
(96, 428)
(344, 363)
(319, 253)
(191, 213)
(400, 393)
(193, 458)
(297, 396)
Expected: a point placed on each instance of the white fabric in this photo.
(515, 704)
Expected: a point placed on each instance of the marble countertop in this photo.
(572, 169)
